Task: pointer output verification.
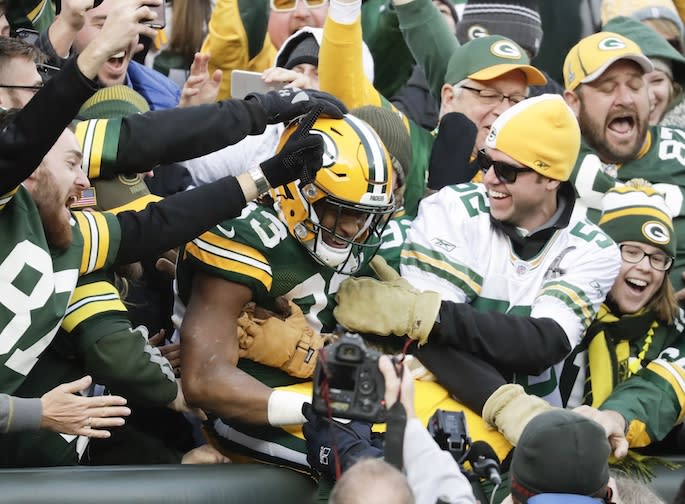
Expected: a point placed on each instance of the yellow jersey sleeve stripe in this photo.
(226, 261)
(95, 231)
(229, 245)
(91, 299)
(675, 376)
(102, 241)
(91, 136)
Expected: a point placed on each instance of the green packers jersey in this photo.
(661, 162)
(37, 282)
(257, 251)
(393, 238)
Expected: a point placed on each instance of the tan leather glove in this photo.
(393, 307)
(509, 409)
(288, 344)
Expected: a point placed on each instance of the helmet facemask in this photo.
(340, 216)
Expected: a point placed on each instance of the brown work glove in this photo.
(282, 340)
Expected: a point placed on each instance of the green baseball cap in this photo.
(652, 44)
(490, 57)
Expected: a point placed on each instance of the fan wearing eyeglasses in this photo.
(475, 82)
(236, 37)
(500, 279)
(19, 79)
(633, 373)
(627, 371)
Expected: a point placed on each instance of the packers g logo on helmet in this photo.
(356, 178)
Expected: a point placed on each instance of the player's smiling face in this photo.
(613, 112)
(347, 224)
(637, 283)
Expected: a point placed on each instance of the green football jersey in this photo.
(257, 251)
(661, 162)
(37, 282)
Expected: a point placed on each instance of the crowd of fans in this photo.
(175, 260)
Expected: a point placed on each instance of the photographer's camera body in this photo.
(348, 382)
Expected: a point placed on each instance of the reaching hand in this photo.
(205, 454)
(395, 386)
(68, 413)
(123, 25)
(200, 88)
(288, 78)
(300, 158)
(614, 425)
(288, 103)
(171, 351)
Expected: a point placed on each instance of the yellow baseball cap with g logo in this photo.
(589, 58)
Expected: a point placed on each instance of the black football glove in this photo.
(300, 158)
(289, 103)
(451, 152)
(352, 440)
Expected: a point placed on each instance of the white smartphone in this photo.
(244, 82)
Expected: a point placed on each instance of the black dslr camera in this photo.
(449, 430)
(348, 382)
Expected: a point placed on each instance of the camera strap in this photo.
(396, 421)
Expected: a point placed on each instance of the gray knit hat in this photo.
(300, 49)
(518, 20)
(563, 452)
(392, 132)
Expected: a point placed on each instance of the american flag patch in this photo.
(87, 199)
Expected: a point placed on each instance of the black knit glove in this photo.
(300, 157)
(353, 441)
(451, 152)
(289, 103)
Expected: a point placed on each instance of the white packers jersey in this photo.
(453, 249)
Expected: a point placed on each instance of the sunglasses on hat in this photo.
(291, 5)
(505, 172)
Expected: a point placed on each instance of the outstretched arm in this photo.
(62, 410)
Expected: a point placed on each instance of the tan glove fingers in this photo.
(382, 269)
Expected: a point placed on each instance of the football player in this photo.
(299, 245)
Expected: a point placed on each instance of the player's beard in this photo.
(50, 203)
(594, 133)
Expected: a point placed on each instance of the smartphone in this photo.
(244, 82)
(160, 21)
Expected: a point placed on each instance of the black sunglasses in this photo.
(505, 172)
